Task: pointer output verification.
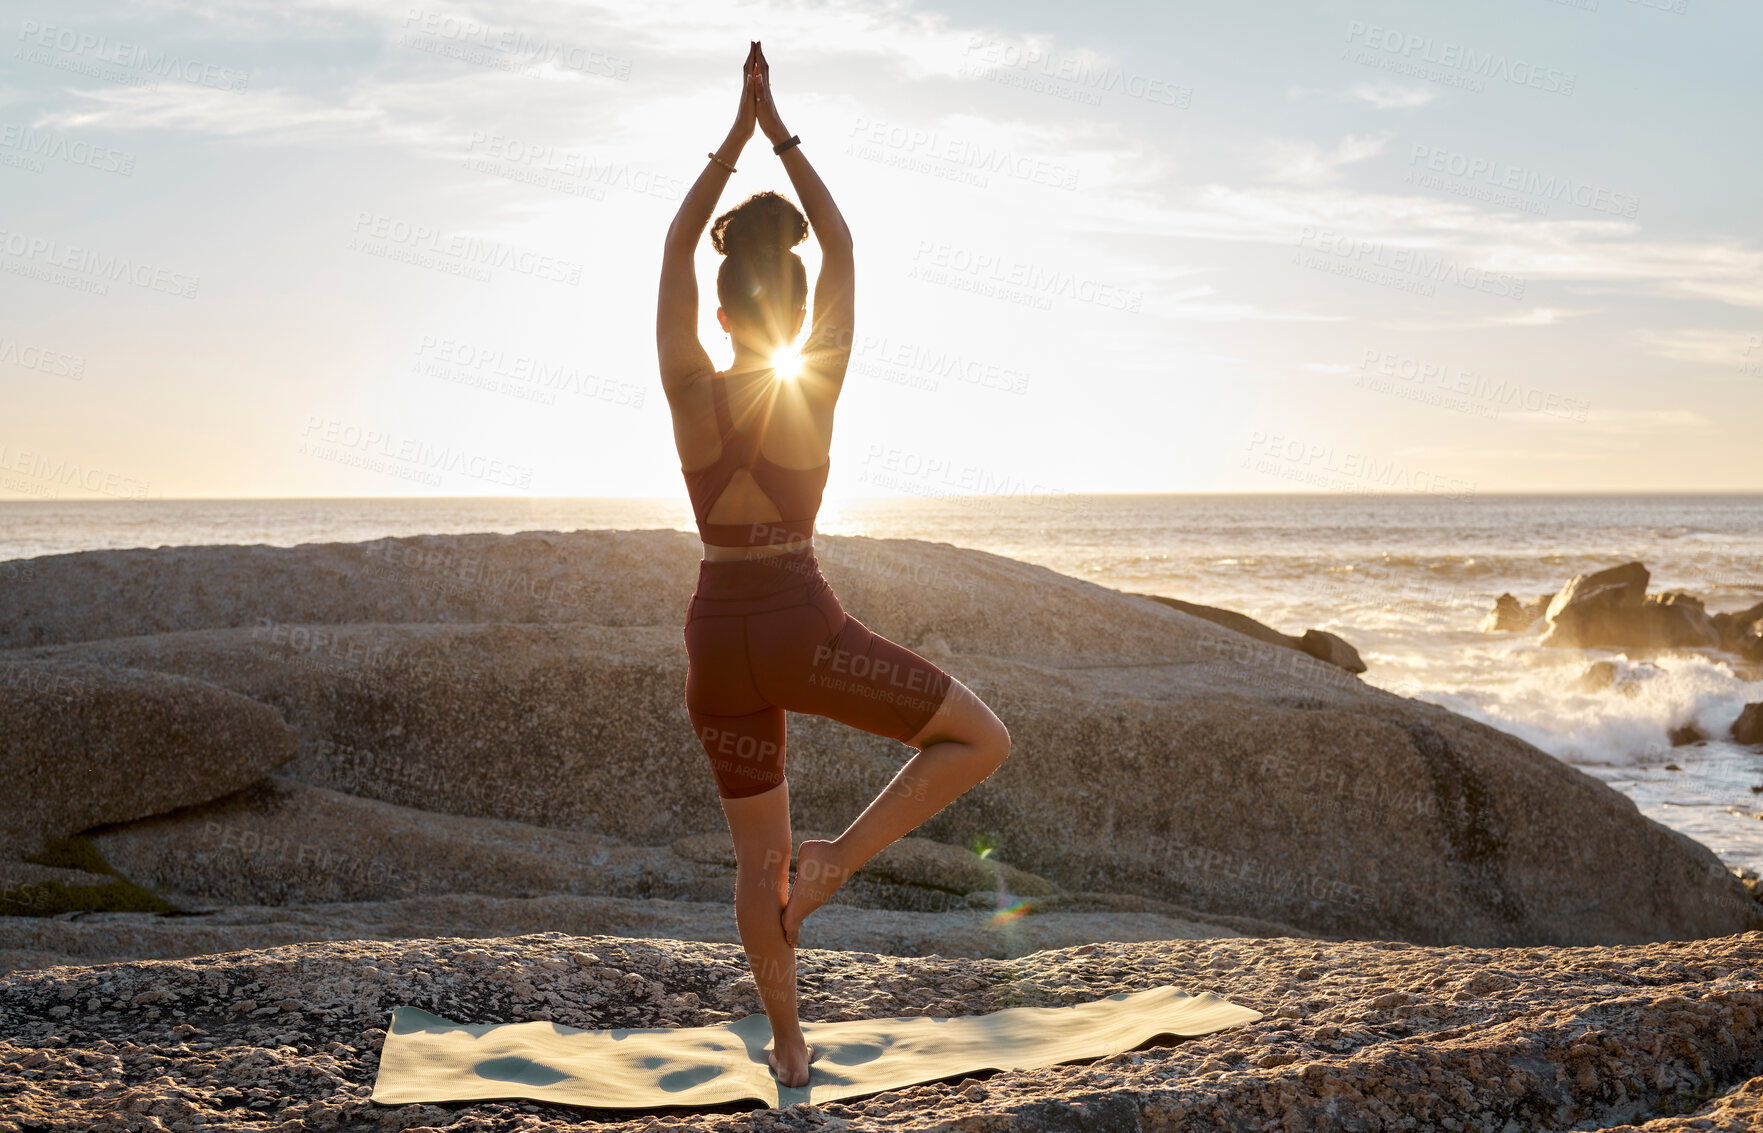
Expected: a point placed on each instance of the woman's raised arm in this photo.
(681, 355)
(829, 342)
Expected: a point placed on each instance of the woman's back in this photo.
(754, 450)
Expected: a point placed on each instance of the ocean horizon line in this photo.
(1649, 493)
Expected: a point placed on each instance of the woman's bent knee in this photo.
(997, 739)
(965, 719)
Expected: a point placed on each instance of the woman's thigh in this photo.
(719, 680)
(839, 668)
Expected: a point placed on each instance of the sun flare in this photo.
(787, 361)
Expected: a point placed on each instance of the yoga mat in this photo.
(428, 1059)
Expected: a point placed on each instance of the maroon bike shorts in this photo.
(767, 635)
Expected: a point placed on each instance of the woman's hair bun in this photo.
(764, 224)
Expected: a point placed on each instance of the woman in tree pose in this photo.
(764, 632)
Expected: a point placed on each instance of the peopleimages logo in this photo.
(38, 40)
(1353, 254)
(1414, 50)
(35, 145)
(48, 255)
(1518, 179)
(882, 141)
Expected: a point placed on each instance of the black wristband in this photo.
(782, 146)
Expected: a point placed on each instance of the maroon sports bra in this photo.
(795, 492)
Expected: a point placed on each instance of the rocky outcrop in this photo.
(1611, 608)
(84, 744)
(1360, 814)
(286, 842)
(1598, 676)
(1742, 632)
(916, 862)
(1626, 676)
(1748, 728)
(1156, 754)
(1623, 585)
(907, 590)
(1325, 646)
(1320, 644)
(283, 841)
(1352, 1033)
(1510, 615)
(1683, 735)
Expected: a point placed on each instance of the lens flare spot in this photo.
(787, 362)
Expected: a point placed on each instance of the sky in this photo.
(351, 248)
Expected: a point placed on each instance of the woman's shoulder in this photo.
(687, 385)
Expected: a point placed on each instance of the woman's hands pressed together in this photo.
(760, 84)
(747, 116)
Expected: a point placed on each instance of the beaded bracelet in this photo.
(712, 156)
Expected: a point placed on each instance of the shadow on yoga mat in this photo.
(429, 1059)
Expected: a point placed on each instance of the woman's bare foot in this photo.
(819, 873)
(793, 1067)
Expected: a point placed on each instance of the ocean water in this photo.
(1406, 579)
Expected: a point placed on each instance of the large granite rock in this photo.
(604, 578)
(83, 744)
(1156, 754)
(1354, 1035)
(283, 841)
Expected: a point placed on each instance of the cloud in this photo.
(1712, 347)
(1181, 306)
(1306, 163)
(1537, 317)
(1383, 96)
(287, 115)
(1535, 249)
(1391, 96)
(1642, 422)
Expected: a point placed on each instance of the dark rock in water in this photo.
(1678, 598)
(1611, 608)
(1317, 643)
(1623, 585)
(1679, 620)
(1325, 646)
(1748, 728)
(1508, 615)
(1598, 676)
(1742, 632)
(85, 744)
(1685, 734)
